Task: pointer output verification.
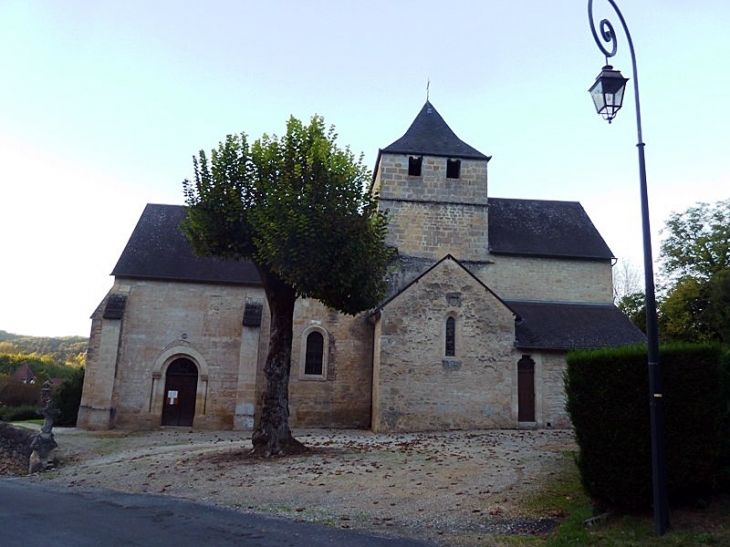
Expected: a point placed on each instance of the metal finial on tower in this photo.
(428, 85)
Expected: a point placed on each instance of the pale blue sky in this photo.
(103, 104)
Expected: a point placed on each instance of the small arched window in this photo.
(450, 337)
(314, 355)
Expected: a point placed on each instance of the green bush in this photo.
(19, 413)
(725, 452)
(608, 401)
(20, 394)
(67, 398)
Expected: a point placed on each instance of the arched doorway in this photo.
(181, 385)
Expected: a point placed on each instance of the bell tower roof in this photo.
(430, 135)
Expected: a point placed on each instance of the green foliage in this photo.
(18, 413)
(16, 395)
(634, 307)
(682, 314)
(67, 349)
(696, 271)
(696, 310)
(67, 398)
(718, 310)
(698, 241)
(44, 366)
(19, 394)
(608, 401)
(298, 207)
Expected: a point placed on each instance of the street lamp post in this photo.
(607, 93)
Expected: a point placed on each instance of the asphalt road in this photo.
(46, 515)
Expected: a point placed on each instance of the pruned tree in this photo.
(298, 207)
(697, 243)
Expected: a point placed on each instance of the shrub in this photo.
(607, 399)
(19, 413)
(67, 398)
(725, 452)
(20, 394)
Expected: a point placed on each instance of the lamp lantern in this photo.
(607, 92)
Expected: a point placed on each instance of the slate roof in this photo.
(563, 326)
(558, 326)
(157, 249)
(430, 135)
(543, 228)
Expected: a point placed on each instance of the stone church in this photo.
(486, 297)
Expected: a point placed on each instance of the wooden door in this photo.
(181, 386)
(526, 389)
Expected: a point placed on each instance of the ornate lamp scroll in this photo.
(607, 32)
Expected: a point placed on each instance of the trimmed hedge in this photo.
(725, 452)
(608, 401)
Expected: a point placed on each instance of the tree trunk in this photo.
(273, 436)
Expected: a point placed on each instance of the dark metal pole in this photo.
(656, 401)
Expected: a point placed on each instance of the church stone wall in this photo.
(342, 398)
(96, 410)
(169, 320)
(432, 185)
(420, 388)
(548, 279)
(429, 230)
(128, 359)
(432, 215)
(553, 391)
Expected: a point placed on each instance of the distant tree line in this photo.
(66, 349)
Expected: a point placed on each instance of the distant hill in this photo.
(63, 349)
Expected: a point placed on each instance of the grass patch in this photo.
(36, 421)
(561, 496)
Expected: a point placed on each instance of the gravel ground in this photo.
(453, 488)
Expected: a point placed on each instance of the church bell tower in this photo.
(434, 187)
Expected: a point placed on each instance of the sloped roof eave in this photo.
(200, 280)
(608, 256)
(462, 156)
(566, 326)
